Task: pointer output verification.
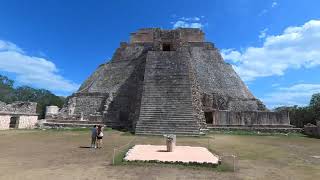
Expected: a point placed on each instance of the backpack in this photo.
(100, 134)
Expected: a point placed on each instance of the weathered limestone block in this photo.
(27, 122)
(52, 110)
(19, 107)
(250, 118)
(4, 121)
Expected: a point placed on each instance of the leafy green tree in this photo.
(6, 89)
(43, 97)
(315, 105)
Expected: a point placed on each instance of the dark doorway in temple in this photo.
(209, 117)
(166, 47)
(14, 122)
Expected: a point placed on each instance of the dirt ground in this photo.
(53, 154)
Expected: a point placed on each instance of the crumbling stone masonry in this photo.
(167, 81)
(312, 130)
(18, 115)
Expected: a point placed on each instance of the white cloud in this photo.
(30, 70)
(188, 22)
(190, 19)
(274, 4)
(263, 12)
(266, 10)
(298, 94)
(263, 33)
(296, 47)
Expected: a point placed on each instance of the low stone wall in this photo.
(27, 122)
(312, 130)
(250, 118)
(4, 121)
(24, 121)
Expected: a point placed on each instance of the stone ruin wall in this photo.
(52, 110)
(19, 107)
(24, 111)
(27, 122)
(4, 121)
(312, 130)
(250, 119)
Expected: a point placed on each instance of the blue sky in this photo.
(273, 44)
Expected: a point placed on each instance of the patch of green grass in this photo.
(120, 154)
(128, 133)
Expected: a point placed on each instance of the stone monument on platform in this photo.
(169, 82)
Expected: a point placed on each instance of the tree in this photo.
(43, 97)
(6, 89)
(315, 105)
(299, 116)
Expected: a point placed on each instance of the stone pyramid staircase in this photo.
(166, 105)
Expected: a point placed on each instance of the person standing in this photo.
(99, 136)
(94, 136)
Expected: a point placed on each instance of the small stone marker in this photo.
(170, 142)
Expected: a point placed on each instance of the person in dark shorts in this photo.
(99, 136)
(94, 136)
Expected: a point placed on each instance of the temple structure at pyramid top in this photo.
(168, 81)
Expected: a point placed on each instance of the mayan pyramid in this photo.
(162, 81)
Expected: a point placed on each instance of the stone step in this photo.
(165, 102)
(166, 114)
(167, 123)
(171, 124)
(156, 106)
(169, 128)
(167, 132)
(166, 108)
(186, 133)
(159, 109)
(176, 120)
(168, 119)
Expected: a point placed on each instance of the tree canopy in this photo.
(300, 116)
(43, 97)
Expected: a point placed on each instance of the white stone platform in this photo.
(185, 154)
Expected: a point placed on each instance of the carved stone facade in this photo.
(163, 81)
(18, 115)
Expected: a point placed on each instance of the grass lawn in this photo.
(63, 154)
